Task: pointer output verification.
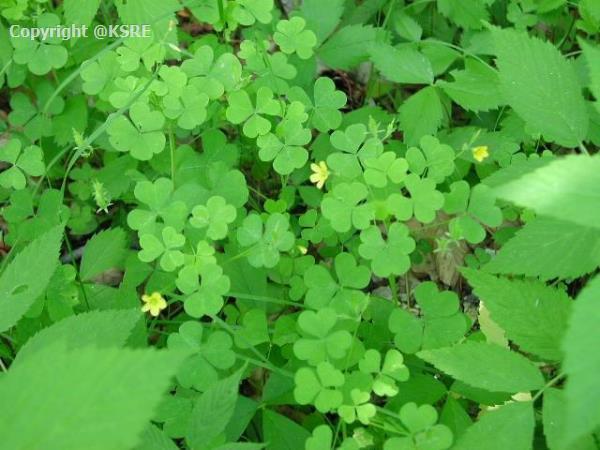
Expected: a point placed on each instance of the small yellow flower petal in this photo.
(153, 303)
(320, 175)
(481, 152)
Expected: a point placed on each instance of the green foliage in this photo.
(541, 86)
(83, 390)
(27, 276)
(288, 225)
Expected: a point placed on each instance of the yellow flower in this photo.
(320, 175)
(480, 153)
(154, 303)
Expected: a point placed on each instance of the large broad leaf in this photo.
(541, 86)
(109, 328)
(421, 114)
(465, 13)
(591, 55)
(476, 88)
(282, 433)
(348, 47)
(582, 364)
(27, 276)
(509, 427)
(567, 189)
(80, 13)
(401, 65)
(322, 17)
(153, 438)
(555, 423)
(536, 247)
(212, 412)
(486, 366)
(533, 315)
(87, 398)
(104, 251)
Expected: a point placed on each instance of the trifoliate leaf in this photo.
(142, 136)
(265, 242)
(292, 37)
(390, 255)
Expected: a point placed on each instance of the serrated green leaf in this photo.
(401, 64)
(582, 364)
(421, 114)
(80, 13)
(282, 433)
(476, 88)
(108, 395)
(541, 86)
(322, 17)
(510, 426)
(554, 414)
(536, 247)
(212, 412)
(533, 315)
(108, 328)
(103, 251)
(348, 47)
(27, 276)
(567, 189)
(486, 366)
(465, 13)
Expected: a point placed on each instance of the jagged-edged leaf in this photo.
(103, 251)
(486, 366)
(541, 86)
(27, 276)
(582, 364)
(535, 249)
(533, 315)
(401, 64)
(108, 328)
(92, 398)
(510, 426)
(348, 47)
(567, 189)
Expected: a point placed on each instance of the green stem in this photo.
(583, 149)
(393, 288)
(260, 298)
(172, 150)
(77, 275)
(548, 385)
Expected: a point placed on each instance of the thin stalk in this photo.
(172, 151)
(393, 288)
(548, 385)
